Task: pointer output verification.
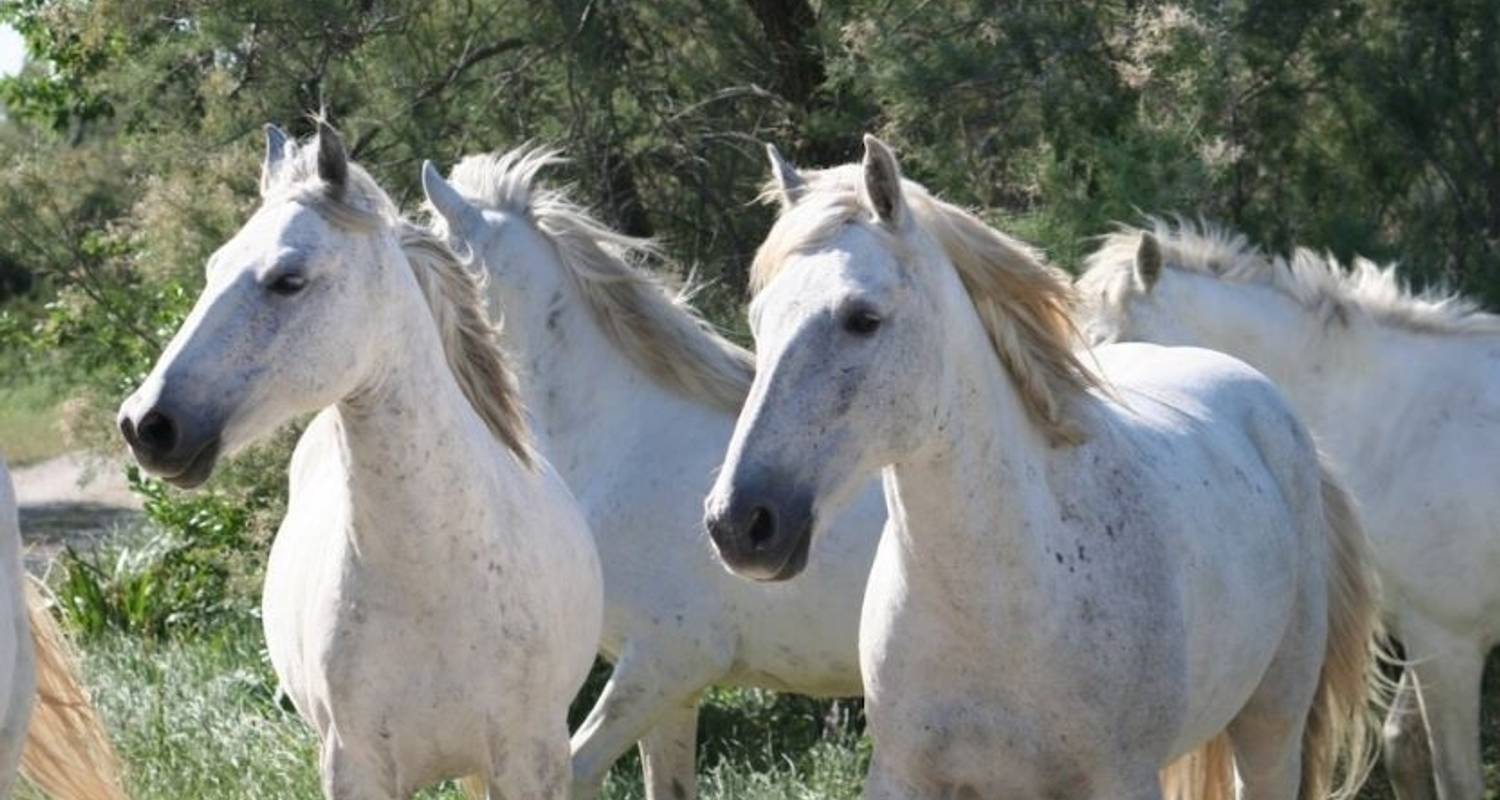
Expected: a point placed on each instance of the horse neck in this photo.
(578, 385)
(975, 499)
(419, 457)
(1327, 365)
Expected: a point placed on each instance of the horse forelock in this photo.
(359, 203)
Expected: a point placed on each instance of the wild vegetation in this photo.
(130, 143)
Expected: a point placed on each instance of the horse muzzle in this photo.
(175, 446)
(763, 530)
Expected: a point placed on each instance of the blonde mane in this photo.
(655, 327)
(453, 293)
(1025, 305)
(1319, 283)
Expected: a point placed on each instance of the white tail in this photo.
(1338, 745)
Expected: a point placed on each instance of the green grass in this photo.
(200, 719)
(29, 422)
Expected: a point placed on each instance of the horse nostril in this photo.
(762, 527)
(127, 429)
(156, 432)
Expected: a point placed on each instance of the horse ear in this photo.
(449, 204)
(276, 147)
(333, 160)
(882, 186)
(790, 184)
(1148, 260)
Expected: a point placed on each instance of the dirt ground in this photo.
(73, 499)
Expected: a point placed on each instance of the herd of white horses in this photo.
(1133, 537)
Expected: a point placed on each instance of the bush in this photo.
(194, 566)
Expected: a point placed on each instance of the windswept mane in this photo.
(1025, 305)
(471, 341)
(1317, 282)
(454, 295)
(655, 327)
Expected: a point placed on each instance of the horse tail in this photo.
(1206, 773)
(474, 788)
(67, 754)
(1338, 744)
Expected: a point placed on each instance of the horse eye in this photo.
(287, 284)
(862, 322)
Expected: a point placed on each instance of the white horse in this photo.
(634, 399)
(433, 598)
(49, 732)
(1404, 391)
(1077, 584)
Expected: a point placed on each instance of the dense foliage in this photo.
(130, 142)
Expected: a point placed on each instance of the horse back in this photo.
(1223, 481)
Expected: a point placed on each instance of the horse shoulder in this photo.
(556, 580)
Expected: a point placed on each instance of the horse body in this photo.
(638, 441)
(362, 637)
(1087, 573)
(1090, 574)
(1404, 393)
(433, 598)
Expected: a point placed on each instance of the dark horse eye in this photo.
(287, 284)
(862, 322)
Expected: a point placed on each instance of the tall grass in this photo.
(201, 718)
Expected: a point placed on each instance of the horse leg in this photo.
(1267, 733)
(533, 769)
(1268, 753)
(1448, 674)
(884, 783)
(633, 701)
(1407, 759)
(351, 775)
(669, 754)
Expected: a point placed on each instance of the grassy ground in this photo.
(200, 719)
(29, 429)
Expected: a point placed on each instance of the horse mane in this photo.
(454, 295)
(1317, 282)
(656, 327)
(1025, 305)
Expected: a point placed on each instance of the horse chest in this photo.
(356, 645)
(420, 685)
(1025, 654)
